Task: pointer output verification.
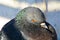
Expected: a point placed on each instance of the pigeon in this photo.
(29, 24)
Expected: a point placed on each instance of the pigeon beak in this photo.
(43, 25)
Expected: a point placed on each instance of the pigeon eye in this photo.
(33, 20)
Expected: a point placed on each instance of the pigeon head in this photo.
(31, 21)
(30, 15)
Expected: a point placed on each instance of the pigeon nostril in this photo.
(43, 25)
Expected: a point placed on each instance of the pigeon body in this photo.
(29, 24)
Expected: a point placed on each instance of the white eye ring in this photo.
(44, 25)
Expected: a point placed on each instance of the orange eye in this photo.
(33, 20)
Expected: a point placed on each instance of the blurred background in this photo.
(51, 9)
